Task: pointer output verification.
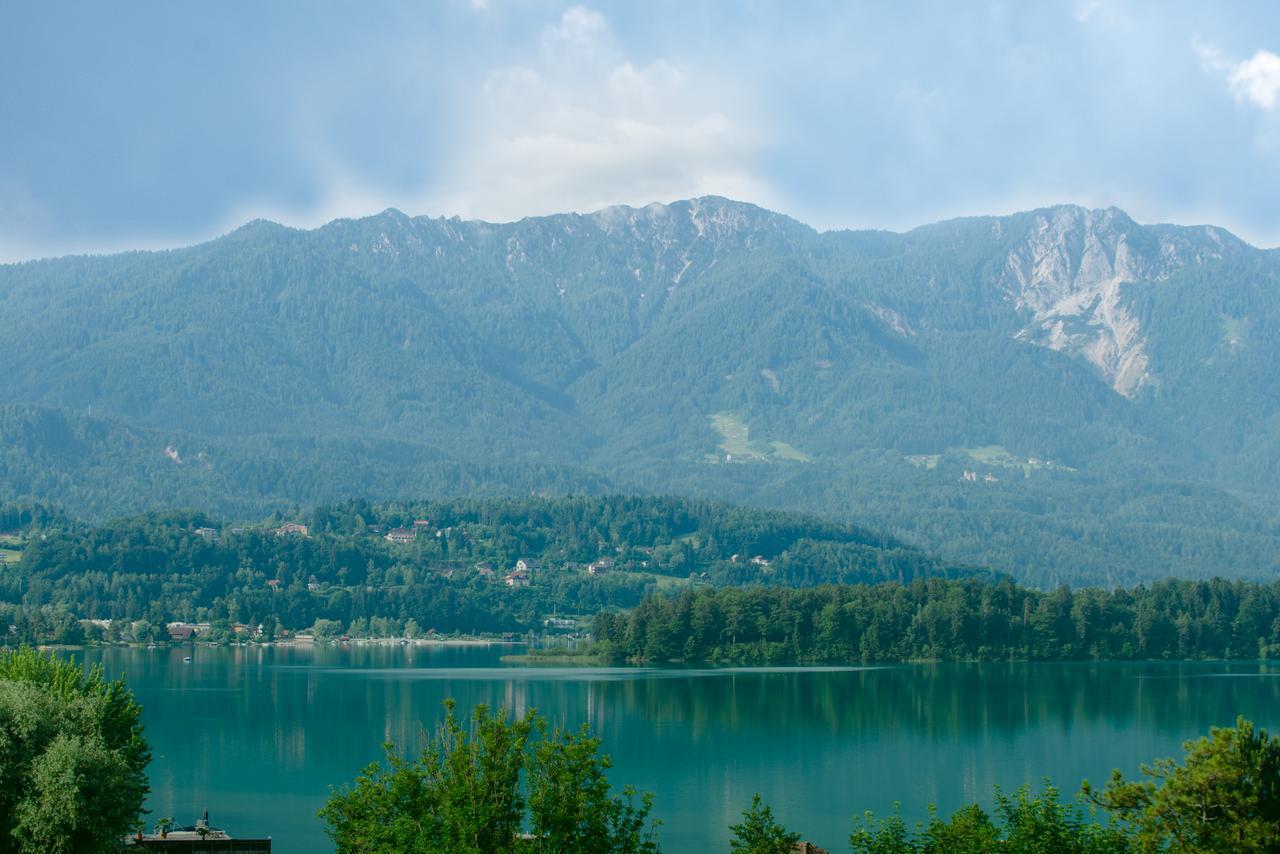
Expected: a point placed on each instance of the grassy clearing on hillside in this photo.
(10, 548)
(783, 451)
(735, 441)
(994, 455)
(1235, 331)
(735, 437)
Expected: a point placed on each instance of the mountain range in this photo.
(1062, 394)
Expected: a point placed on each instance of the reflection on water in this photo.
(258, 735)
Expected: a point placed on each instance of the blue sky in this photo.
(147, 124)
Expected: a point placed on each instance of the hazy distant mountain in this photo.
(1115, 381)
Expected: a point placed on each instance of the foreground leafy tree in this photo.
(72, 756)
(569, 799)
(464, 794)
(1224, 797)
(760, 833)
(1027, 823)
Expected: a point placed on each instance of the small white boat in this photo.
(186, 659)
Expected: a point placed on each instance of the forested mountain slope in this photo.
(1063, 394)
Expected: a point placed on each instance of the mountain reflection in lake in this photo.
(259, 734)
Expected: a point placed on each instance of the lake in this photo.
(258, 735)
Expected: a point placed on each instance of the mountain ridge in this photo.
(708, 347)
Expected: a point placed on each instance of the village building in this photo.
(421, 523)
(559, 623)
(293, 529)
(181, 632)
(484, 569)
(313, 584)
(402, 535)
(600, 566)
(207, 533)
(529, 564)
(517, 578)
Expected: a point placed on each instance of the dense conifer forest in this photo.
(970, 619)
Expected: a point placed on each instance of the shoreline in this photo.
(287, 642)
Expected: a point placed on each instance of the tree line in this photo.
(964, 619)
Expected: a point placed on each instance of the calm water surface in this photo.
(259, 735)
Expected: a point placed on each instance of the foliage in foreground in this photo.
(72, 757)
(475, 787)
(472, 787)
(1024, 822)
(1224, 796)
(760, 833)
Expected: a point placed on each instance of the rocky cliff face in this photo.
(1072, 274)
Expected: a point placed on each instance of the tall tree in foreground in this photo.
(72, 756)
(468, 792)
(1224, 797)
(760, 833)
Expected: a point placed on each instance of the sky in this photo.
(159, 123)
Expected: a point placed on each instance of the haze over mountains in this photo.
(1062, 394)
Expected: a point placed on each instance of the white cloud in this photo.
(1086, 9)
(1255, 80)
(1210, 57)
(582, 127)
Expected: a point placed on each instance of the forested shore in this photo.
(940, 619)
(652, 580)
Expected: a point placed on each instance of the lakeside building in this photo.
(198, 838)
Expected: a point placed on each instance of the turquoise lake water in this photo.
(257, 735)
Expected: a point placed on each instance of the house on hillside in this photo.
(313, 584)
(208, 534)
(517, 578)
(185, 631)
(529, 564)
(293, 529)
(484, 569)
(402, 535)
(421, 523)
(600, 566)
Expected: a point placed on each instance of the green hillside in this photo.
(707, 348)
(337, 563)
